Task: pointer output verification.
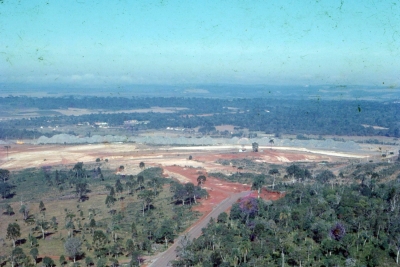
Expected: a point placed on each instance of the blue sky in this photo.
(111, 43)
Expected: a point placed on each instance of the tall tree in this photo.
(147, 197)
(118, 186)
(13, 232)
(130, 185)
(274, 172)
(25, 211)
(41, 206)
(17, 256)
(140, 180)
(78, 169)
(73, 247)
(190, 192)
(110, 200)
(179, 192)
(255, 147)
(32, 240)
(155, 184)
(34, 252)
(42, 225)
(258, 183)
(5, 189)
(81, 189)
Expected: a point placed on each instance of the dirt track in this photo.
(195, 231)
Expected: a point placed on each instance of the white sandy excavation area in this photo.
(301, 149)
(130, 155)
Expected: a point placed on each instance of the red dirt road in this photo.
(195, 231)
(222, 195)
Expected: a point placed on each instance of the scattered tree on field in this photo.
(8, 209)
(17, 256)
(79, 171)
(13, 232)
(24, 210)
(42, 225)
(201, 179)
(81, 189)
(142, 165)
(255, 147)
(62, 260)
(41, 206)
(48, 262)
(34, 252)
(271, 142)
(110, 200)
(73, 247)
(32, 240)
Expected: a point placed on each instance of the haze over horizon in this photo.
(116, 44)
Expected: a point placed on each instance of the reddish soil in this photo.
(217, 189)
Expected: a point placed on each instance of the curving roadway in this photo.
(195, 231)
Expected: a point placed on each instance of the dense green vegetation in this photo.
(318, 117)
(313, 225)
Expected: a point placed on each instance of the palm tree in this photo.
(244, 248)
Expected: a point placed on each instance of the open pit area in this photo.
(130, 155)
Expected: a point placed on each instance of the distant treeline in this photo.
(319, 117)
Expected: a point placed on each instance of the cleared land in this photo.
(176, 165)
(129, 155)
